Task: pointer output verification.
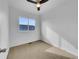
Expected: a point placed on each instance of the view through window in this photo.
(26, 24)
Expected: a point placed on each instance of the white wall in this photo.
(63, 19)
(4, 39)
(48, 35)
(53, 38)
(61, 22)
(17, 37)
(3, 23)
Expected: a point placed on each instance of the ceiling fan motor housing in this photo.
(38, 1)
(38, 8)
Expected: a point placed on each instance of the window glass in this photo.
(23, 23)
(31, 24)
(26, 24)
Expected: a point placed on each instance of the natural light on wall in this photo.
(26, 24)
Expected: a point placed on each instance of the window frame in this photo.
(28, 25)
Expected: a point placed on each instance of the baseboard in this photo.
(21, 43)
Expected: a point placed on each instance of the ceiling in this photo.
(29, 7)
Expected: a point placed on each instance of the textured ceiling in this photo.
(29, 7)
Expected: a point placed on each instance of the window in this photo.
(23, 24)
(31, 24)
(26, 24)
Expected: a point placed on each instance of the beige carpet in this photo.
(36, 50)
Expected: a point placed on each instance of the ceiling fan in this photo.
(38, 3)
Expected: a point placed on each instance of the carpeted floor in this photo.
(35, 50)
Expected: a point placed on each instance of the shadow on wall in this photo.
(51, 37)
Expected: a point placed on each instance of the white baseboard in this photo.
(20, 43)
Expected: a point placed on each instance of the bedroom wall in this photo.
(17, 37)
(4, 24)
(61, 22)
(53, 38)
(4, 37)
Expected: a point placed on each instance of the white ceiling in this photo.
(30, 7)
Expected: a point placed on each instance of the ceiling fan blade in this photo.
(43, 1)
(32, 1)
